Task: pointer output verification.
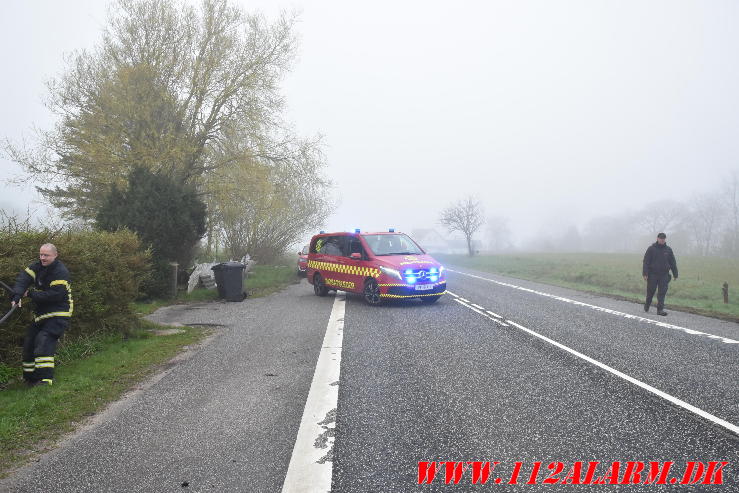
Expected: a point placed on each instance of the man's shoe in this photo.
(32, 383)
(646, 307)
(662, 312)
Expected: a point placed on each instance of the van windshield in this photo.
(396, 244)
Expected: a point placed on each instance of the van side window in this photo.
(332, 246)
(355, 246)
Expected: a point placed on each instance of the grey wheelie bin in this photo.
(230, 280)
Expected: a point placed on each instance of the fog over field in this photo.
(578, 125)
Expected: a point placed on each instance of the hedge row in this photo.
(106, 269)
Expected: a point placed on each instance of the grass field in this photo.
(698, 288)
(90, 374)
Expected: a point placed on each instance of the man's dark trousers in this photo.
(657, 282)
(39, 348)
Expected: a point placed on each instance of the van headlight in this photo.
(391, 272)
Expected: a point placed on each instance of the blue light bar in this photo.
(356, 230)
(322, 232)
(391, 230)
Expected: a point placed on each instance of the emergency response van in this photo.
(380, 266)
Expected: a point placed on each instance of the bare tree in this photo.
(466, 216)
(610, 234)
(731, 199)
(659, 216)
(704, 218)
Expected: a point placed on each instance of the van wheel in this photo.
(430, 299)
(319, 287)
(372, 292)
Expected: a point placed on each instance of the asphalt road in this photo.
(446, 382)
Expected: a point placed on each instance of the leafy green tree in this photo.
(191, 93)
(167, 215)
(163, 89)
(261, 207)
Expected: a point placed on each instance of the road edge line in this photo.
(311, 463)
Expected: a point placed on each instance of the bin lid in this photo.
(228, 266)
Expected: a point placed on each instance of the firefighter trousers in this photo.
(39, 347)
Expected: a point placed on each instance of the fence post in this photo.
(174, 279)
(725, 289)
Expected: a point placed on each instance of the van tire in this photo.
(319, 287)
(371, 292)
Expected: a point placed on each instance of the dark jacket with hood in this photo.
(52, 296)
(659, 260)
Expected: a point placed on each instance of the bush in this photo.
(107, 270)
(168, 217)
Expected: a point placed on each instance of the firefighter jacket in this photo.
(52, 293)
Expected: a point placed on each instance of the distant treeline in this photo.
(707, 224)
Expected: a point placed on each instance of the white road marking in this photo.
(477, 306)
(311, 465)
(674, 400)
(494, 314)
(503, 324)
(725, 340)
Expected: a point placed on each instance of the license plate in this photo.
(424, 287)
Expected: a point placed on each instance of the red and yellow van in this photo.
(380, 266)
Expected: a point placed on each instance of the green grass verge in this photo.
(697, 290)
(31, 419)
(267, 279)
(262, 280)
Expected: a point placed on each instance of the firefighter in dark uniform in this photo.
(47, 283)
(658, 262)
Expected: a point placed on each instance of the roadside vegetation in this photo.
(262, 280)
(106, 351)
(267, 279)
(153, 160)
(92, 372)
(698, 288)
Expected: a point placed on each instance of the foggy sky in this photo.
(550, 112)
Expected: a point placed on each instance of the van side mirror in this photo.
(356, 256)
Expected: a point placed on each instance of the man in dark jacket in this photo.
(658, 262)
(47, 283)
